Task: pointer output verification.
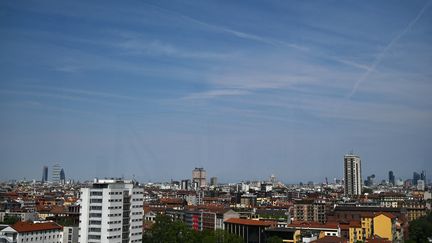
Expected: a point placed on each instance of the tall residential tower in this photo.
(199, 177)
(111, 211)
(55, 177)
(352, 172)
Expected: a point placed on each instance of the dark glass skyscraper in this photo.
(423, 176)
(45, 174)
(416, 177)
(62, 176)
(391, 178)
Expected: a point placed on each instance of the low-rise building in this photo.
(252, 231)
(70, 234)
(20, 232)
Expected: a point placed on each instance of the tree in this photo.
(221, 236)
(167, 230)
(274, 239)
(420, 229)
(10, 220)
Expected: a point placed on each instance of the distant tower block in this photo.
(44, 174)
(352, 173)
(391, 178)
(62, 176)
(213, 181)
(273, 179)
(199, 176)
(56, 173)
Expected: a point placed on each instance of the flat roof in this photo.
(249, 222)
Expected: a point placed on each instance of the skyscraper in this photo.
(423, 176)
(199, 176)
(44, 174)
(56, 173)
(111, 211)
(62, 176)
(370, 181)
(185, 184)
(352, 172)
(213, 181)
(391, 178)
(416, 177)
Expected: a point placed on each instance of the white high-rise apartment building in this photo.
(352, 172)
(111, 211)
(56, 169)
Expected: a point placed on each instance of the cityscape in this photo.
(54, 209)
(198, 121)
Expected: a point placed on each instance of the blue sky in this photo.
(245, 89)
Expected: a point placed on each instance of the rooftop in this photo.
(31, 227)
(305, 224)
(249, 222)
(330, 239)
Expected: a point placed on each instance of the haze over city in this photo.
(152, 89)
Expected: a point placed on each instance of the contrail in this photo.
(236, 33)
(380, 56)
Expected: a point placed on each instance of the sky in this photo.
(246, 89)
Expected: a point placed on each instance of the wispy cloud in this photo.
(58, 95)
(44, 94)
(68, 68)
(48, 107)
(215, 93)
(81, 92)
(239, 34)
(350, 63)
(248, 36)
(381, 55)
(156, 47)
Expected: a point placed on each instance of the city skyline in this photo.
(245, 90)
(264, 178)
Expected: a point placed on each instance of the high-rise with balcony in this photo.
(56, 173)
(111, 211)
(352, 172)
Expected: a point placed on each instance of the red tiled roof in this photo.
(330, 239)
(249, 222)
(57, 210)
(168, 200)
(313, 225)
(43, 208)
(344, 227)
(29, 227)
(214, 208)
(367, 214)
(389, 215)
(377, 239)
(356, 224)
